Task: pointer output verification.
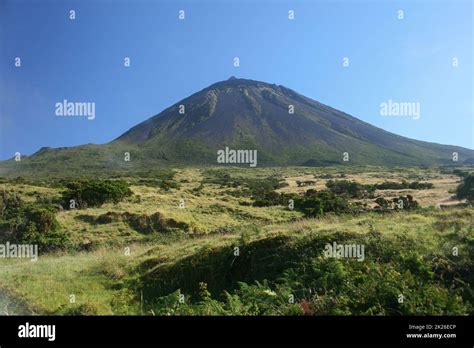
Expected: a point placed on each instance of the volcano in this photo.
(286, 128)
(283, 126)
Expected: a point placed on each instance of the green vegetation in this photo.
(247, 242)
(94, 193)
(400, 203)
(28, 223)
(415, 185)
(466, 189)
(350, 189)
(255, 187)
(353, 189)
(288, 275)
(316, 204)
(163, 180)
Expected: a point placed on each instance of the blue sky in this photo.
(407, 60)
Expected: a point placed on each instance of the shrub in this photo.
(415, 185)
(390, 185)
(350, 189)
(165, 184)
(94, 193)
(8, 200)
(24, 223)
(383, 203)
(305, 183)
(401, 203)
(465, 190)
(267, 199)
(405, 203)
(87, 308)
(315, 204)
(460, 173)
(272, 198)
(247, 186)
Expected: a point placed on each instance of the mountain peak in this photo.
(232, 78)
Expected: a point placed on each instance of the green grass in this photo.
(105, 277)
(408, 252)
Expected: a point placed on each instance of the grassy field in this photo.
(220, 254)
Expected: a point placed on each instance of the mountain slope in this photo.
(249, 115)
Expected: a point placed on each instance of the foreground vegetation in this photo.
(237, 247)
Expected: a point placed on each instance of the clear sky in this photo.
(408, 60)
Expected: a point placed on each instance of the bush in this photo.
(401, 203)
(305, 183)
(459, 172)
(255, 188)
(94, 193)
(350, 189)
(268, 199)
(391, 185)
(315, 204)
(272, 198)
(383, 204)
(87, 308)
(165, 184)
(24, 223)
(465, 190)
(415, 185)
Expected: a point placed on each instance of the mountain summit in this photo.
(281, 125)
